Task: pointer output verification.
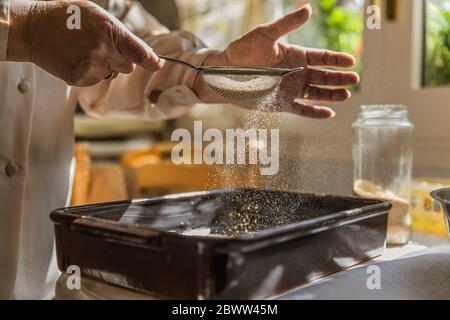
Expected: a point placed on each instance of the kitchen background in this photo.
(406, 62)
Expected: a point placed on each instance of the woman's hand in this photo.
(260, 48)
(102, 48)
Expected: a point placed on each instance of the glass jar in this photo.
(382, 162)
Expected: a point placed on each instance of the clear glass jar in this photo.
(382, 161)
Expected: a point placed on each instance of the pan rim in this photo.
(436, 194)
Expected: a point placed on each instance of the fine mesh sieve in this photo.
(237, 84)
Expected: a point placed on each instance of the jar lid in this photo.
(384, 110)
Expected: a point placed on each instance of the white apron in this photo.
(36, 145)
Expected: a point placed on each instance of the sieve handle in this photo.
(294, 70)
(185, 63)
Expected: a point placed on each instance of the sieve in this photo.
(239, 84)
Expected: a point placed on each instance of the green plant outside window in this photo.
(437, 43)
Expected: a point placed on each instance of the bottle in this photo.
(382, 163)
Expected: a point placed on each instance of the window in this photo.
(437, 43)
(218, 22)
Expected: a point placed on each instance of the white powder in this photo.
(244, 83)
(241, 88)
(242, 175)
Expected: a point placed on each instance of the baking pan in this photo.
(234, 243)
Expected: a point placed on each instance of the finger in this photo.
(87, 81)
(138, 52)
(93, 74)
(121, 65)
(331, 78)
(330, 95)
(113, 75)
(289, 22)
(109, 74)
(84, 83)
(328, 58)
(310, 111)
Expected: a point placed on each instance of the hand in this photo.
(260, 48)
(100, 49)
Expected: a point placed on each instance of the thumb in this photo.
(289, 22)
(138, 52)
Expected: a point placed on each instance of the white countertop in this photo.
(418, 270)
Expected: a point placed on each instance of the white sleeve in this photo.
(4, 28)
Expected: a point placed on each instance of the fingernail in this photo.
(155, 57)
(307, 5)
(161, 62)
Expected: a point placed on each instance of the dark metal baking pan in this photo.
(260, 242)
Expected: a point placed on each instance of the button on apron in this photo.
(11, 169)
(24, 86)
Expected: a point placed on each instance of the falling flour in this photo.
(248, 217)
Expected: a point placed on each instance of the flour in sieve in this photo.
(244, 83)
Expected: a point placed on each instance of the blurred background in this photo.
(406, 62)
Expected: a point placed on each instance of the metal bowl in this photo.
(443, 196)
